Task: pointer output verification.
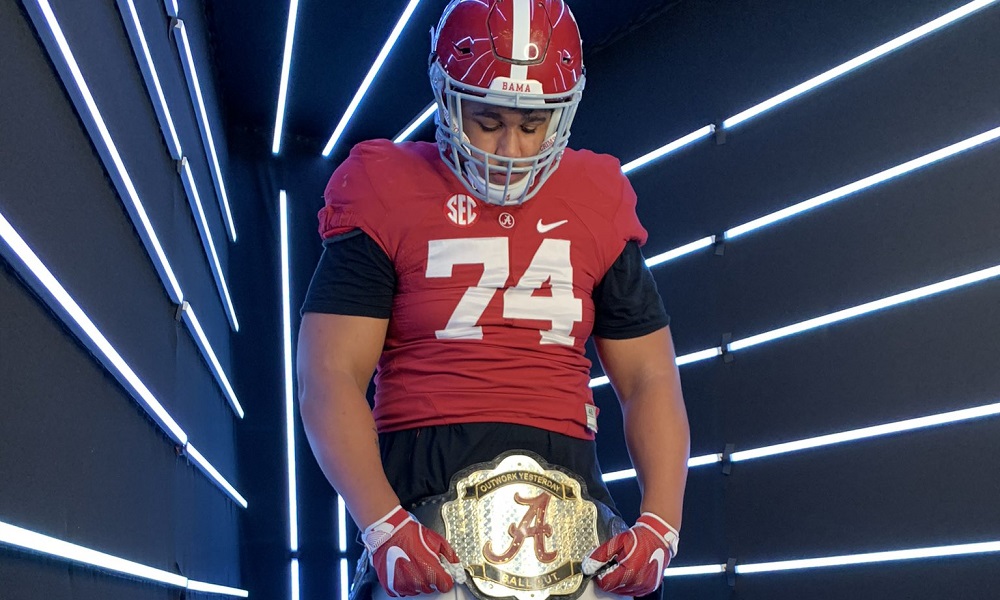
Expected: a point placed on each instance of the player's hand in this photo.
(639, 557)
(409, 558)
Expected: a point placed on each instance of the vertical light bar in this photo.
(345, 584)
(416, 122)
(134, 27)
(858, 61)
(295, 579)
(668, 148)
(171, 7)
(187, 60)
(372, 72)
(286, 66)
(293, 518)
(187, 178)
(341, 525)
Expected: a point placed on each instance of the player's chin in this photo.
(501, 178)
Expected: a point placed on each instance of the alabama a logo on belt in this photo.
(521, 530)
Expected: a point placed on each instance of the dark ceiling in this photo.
(336, 42)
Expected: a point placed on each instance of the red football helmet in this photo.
(510, 53)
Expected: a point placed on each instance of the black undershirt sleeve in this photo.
(626, 301)
(354, 277)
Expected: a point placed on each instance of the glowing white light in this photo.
(866, 308)
(859, 61)
(697, 570)
(598, 381)
(956, 416)
(341, 525)
(679, 252)
(89, 333)
(171, 6)
(874, 557)
(416, 123)
(191, 319)
(669, 148)
(137, 209)
(698, 356)
(389, 43)
(206, 130)
(24, 539)
(344, 583)
(865, 183)
(293, 518)
(211, 588)
(694, 461)
(295, 579)
(150, 70)
(206, 239)
(286, 67)
(212, 472)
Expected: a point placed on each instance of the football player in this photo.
(469, 274)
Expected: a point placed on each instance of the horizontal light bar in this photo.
(698, 570)
(867, 182)
(669, 148)
(670, 255)
(24, 539)
(286, 320)
(191, 319)
(86, 106)
(695, 461)
(416, 123)
(874, 557)
(341, 525)
(858, 62)
(58, 299)
(214, 474)
(956, 416)
(372, 72)
(866, 308)
(134, 27)
(110, 151)
(286, 67)
(187, 177)
(187, 60)
(344, 582)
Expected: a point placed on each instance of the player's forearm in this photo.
(341, 431)
(658, 439)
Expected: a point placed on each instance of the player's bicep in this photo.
(332, 347)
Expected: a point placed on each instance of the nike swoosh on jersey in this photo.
(391, 556)
(544, 228)
(658, 557)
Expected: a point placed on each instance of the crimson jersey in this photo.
(493, 304)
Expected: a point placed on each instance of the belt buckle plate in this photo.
(521, 530)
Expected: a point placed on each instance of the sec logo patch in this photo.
(462, 210)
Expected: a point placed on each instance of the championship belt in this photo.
(521, 528)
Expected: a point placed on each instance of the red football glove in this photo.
(640, 556)
(409, 558)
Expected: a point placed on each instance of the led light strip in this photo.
(286, 319)
(26, 262)
(295, 575)
(696, 570)
(344, 582)
(873, 557)
(853, 435)
(187, 60)
(208, 243)
(341, 525)
(171, 6)
(416, 123)
(52, 33)
(858, 62)
(23, 539)
(360, 94)
(670, 148)
(286, 67)
(141, 50)
(867, 182)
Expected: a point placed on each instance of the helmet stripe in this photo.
(521, 39)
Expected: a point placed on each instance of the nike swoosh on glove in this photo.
(640, 556)
(409, 558)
